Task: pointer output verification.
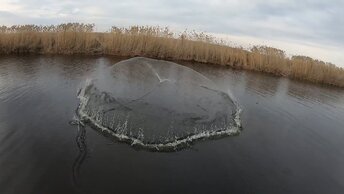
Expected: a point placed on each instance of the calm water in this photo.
(292, 139)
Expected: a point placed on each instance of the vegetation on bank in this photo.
(161, 43)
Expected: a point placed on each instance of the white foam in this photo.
(173, 145)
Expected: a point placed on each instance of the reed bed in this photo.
(161, 43)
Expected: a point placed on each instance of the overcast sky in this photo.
(307, 27)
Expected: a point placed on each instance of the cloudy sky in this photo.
(307, 27)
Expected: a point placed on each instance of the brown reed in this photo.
(161, 43)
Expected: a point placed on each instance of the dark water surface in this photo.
(292, 139)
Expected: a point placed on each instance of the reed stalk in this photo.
(161, 43)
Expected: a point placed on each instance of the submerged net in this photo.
(157, 105)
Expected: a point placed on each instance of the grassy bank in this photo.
(161, 43)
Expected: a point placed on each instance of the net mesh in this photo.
(157, 105)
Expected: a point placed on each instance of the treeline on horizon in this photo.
(162, 43)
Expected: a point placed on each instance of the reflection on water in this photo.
(291, 143)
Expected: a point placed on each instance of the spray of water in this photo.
(157, 105)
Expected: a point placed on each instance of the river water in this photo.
(292, 137)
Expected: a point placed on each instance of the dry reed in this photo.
(161, 43)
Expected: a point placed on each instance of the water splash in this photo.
(157, 105)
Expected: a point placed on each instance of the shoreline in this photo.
(160, 43)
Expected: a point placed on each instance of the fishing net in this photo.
(157, 105)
